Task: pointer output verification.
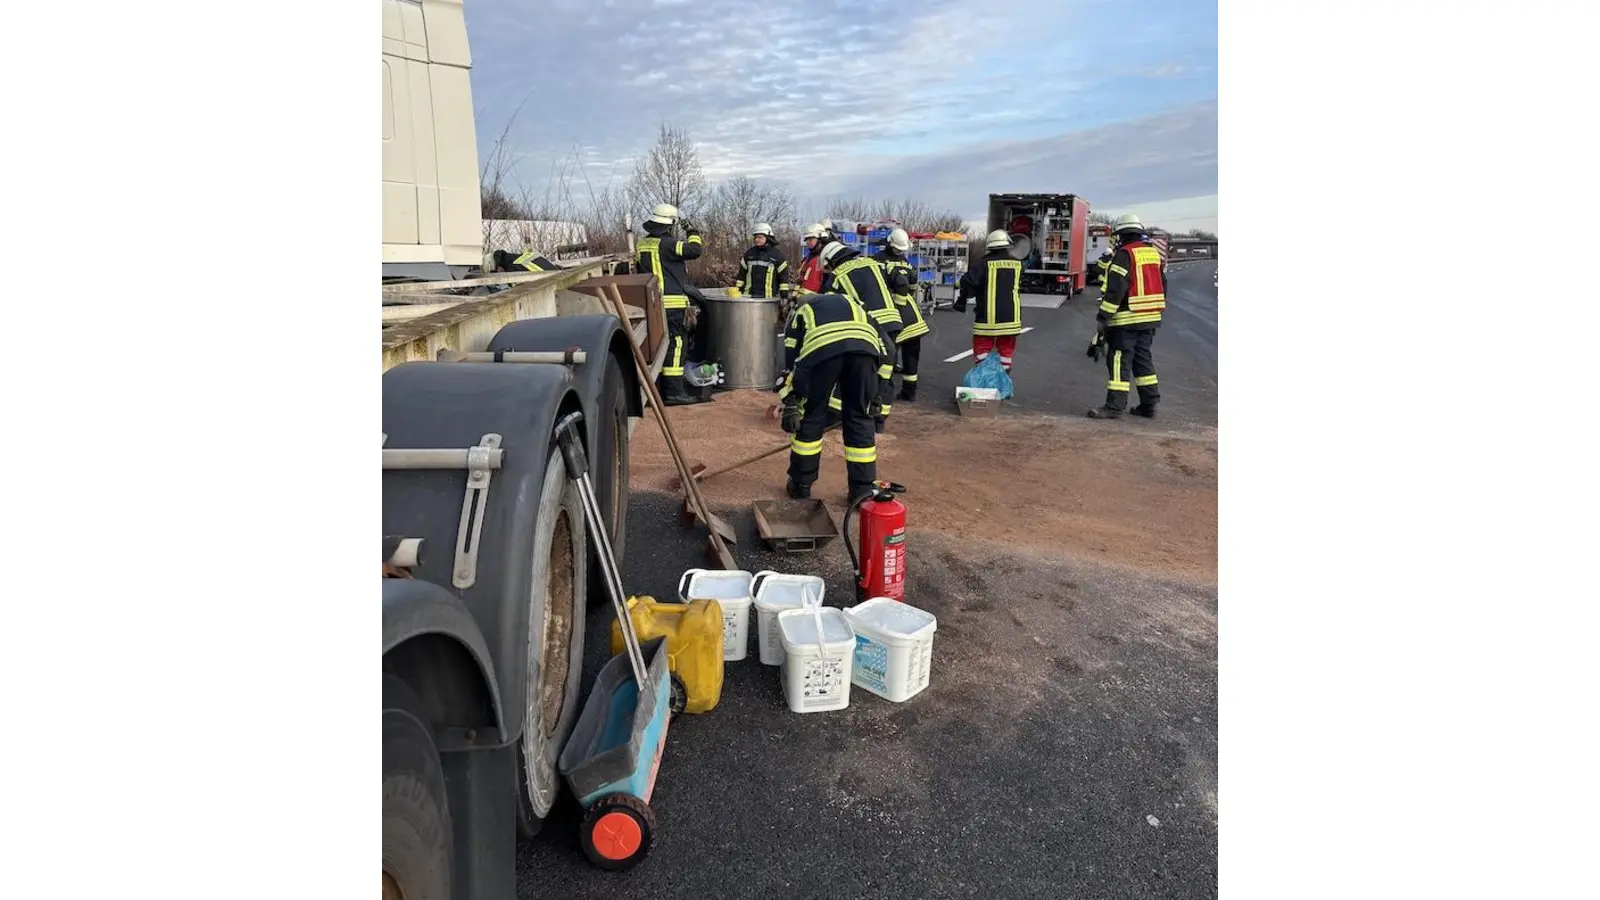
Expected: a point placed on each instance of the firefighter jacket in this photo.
(861, 279)
(810, 275)
(997, 287)
(1101, 267)
(533, 262)
(830, 325)
(902, 281)
(1136, 291)
(763, 272)
(664, 258)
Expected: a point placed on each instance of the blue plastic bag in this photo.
(989, 374)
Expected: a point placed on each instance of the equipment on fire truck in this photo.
(880, 564)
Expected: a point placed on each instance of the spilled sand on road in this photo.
(1125, 493)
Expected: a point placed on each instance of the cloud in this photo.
(938, 98)
(1154, 158)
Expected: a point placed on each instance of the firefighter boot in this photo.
(673, 394)
(908, 391)
(1147, 410)
(1105, 412)
(798, 491)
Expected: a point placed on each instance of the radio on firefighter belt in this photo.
(880, 564)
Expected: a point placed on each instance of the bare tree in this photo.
(670, 173)
(1102, 218)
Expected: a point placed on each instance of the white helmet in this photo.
(815, 230)
(761, 228)
(997, 239)
(831, 251)
(899, 240)
(664, 214)
(1128, 222)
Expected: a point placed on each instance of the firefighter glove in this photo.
(791, 416)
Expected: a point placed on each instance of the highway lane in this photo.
(1053, 375)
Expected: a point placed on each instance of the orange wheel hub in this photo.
(617, 836)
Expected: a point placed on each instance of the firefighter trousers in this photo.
(1130, 364)
(855, 377)
(672, 366)
(910, 356)
(1004, 344)
(884, 396)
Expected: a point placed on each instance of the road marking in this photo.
(966, 353)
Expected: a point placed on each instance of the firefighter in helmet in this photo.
(1101, 267)
(811, 266)
(902, 281)
(763, 272)
(832, 349)
(861, 279)
(663, 256)
(1130, 312)
(996, 288)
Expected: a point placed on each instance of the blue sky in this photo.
(943, 100)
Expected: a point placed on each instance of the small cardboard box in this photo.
(978, 401)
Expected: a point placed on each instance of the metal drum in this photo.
(740, 331)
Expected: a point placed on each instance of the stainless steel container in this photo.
(740, 331)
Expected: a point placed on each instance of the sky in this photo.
(944, 100)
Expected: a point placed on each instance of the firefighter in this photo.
(763, 272)
(861, 279)
(1101, 267)
(902, 281)
(664, 257)
(997, 288)
(530, 261)
(1130, 312)
(811, 266)
(831, 348)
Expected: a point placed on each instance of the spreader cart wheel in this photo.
(617, 832)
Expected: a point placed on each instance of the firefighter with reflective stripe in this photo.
(1101, 267)
(831, 347)
(811, 266)
(763, 272)
(861, 279)
(529, 261)
(664, 257)
(902, 281)
(997, 288)
(1130, 311)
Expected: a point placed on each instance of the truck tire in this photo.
(417, 837)
(611, 468)
(557, 608)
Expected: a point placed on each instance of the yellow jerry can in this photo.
(694, 645)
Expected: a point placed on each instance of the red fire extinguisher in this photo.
(881, 561)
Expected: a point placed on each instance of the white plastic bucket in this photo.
(774, 593)
(817, 649)
(731, 590)
(894, 648)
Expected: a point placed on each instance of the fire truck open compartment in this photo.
(1049, 234)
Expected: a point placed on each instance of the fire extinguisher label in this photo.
(894, 565)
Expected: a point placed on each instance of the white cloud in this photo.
(829, 95)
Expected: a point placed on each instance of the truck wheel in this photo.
(611, 467)
(417, 838)
(555, 644)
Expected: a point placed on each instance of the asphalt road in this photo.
(1051, 373)
(1065, 748)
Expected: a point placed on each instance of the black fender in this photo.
(597, 334)
(428, 405)
(452, 669)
